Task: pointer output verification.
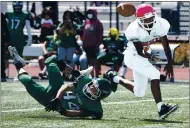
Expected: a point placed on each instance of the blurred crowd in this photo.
(78, 39)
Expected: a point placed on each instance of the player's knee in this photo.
(52, 66)
(155, 75)
(24, 79)
(51, 59)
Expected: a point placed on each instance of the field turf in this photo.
(121, 110)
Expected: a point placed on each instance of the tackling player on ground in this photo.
(79, 99)
(140, 34)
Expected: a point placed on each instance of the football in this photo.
(126, 9)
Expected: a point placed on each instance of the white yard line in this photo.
(109, 103)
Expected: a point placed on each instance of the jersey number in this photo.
(71, 105)
(15, 23)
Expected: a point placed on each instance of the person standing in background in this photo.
(92, 38)
(4, 46)
(67, 32)
(17, 20)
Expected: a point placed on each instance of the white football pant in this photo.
(142, 70)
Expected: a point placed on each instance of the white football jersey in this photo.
(136, 33)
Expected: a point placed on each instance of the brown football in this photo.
(126, 9)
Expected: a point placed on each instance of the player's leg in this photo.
(55, 78)
(142, 66)
(35, 90)
(64, 67)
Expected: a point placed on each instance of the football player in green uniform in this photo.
(113, 47)
(17, 20)
(79, 99)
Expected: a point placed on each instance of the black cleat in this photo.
(166, 109)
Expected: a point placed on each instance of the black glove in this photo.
(54, 104)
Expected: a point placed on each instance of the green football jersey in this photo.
(70, 102)
(77, 100)
(16, 23)
(85, 102)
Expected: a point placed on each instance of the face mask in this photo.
(90, 16)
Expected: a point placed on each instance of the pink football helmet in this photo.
(146, 16)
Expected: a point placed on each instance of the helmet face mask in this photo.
(17, 6)
(97, 90)
(146, 16)
(88, 92)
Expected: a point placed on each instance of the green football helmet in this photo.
(102, 86)
(17, 6)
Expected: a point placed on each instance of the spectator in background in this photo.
(49, 48)
(79, 57)
(92, 38)
(113, 47)
(47, 26)
(67, 32)
(4, 46)
(17, 20)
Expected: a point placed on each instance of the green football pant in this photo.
(40, 93)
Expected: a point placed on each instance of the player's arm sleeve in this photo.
(28, 28)
(165, 26)
(130, 35)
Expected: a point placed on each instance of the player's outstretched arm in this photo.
(64, 89)
(169, 67)
(55, 104)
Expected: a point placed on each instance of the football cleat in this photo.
(167, 109)
(87, 71)
(14, 54)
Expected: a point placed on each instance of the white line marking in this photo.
(109, 103)
(22, 110)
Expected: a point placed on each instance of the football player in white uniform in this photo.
(141, 33)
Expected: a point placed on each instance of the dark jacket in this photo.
(93, 32)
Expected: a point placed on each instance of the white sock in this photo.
(116, 79)
(159, 105)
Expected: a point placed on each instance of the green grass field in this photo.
(121, 110)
